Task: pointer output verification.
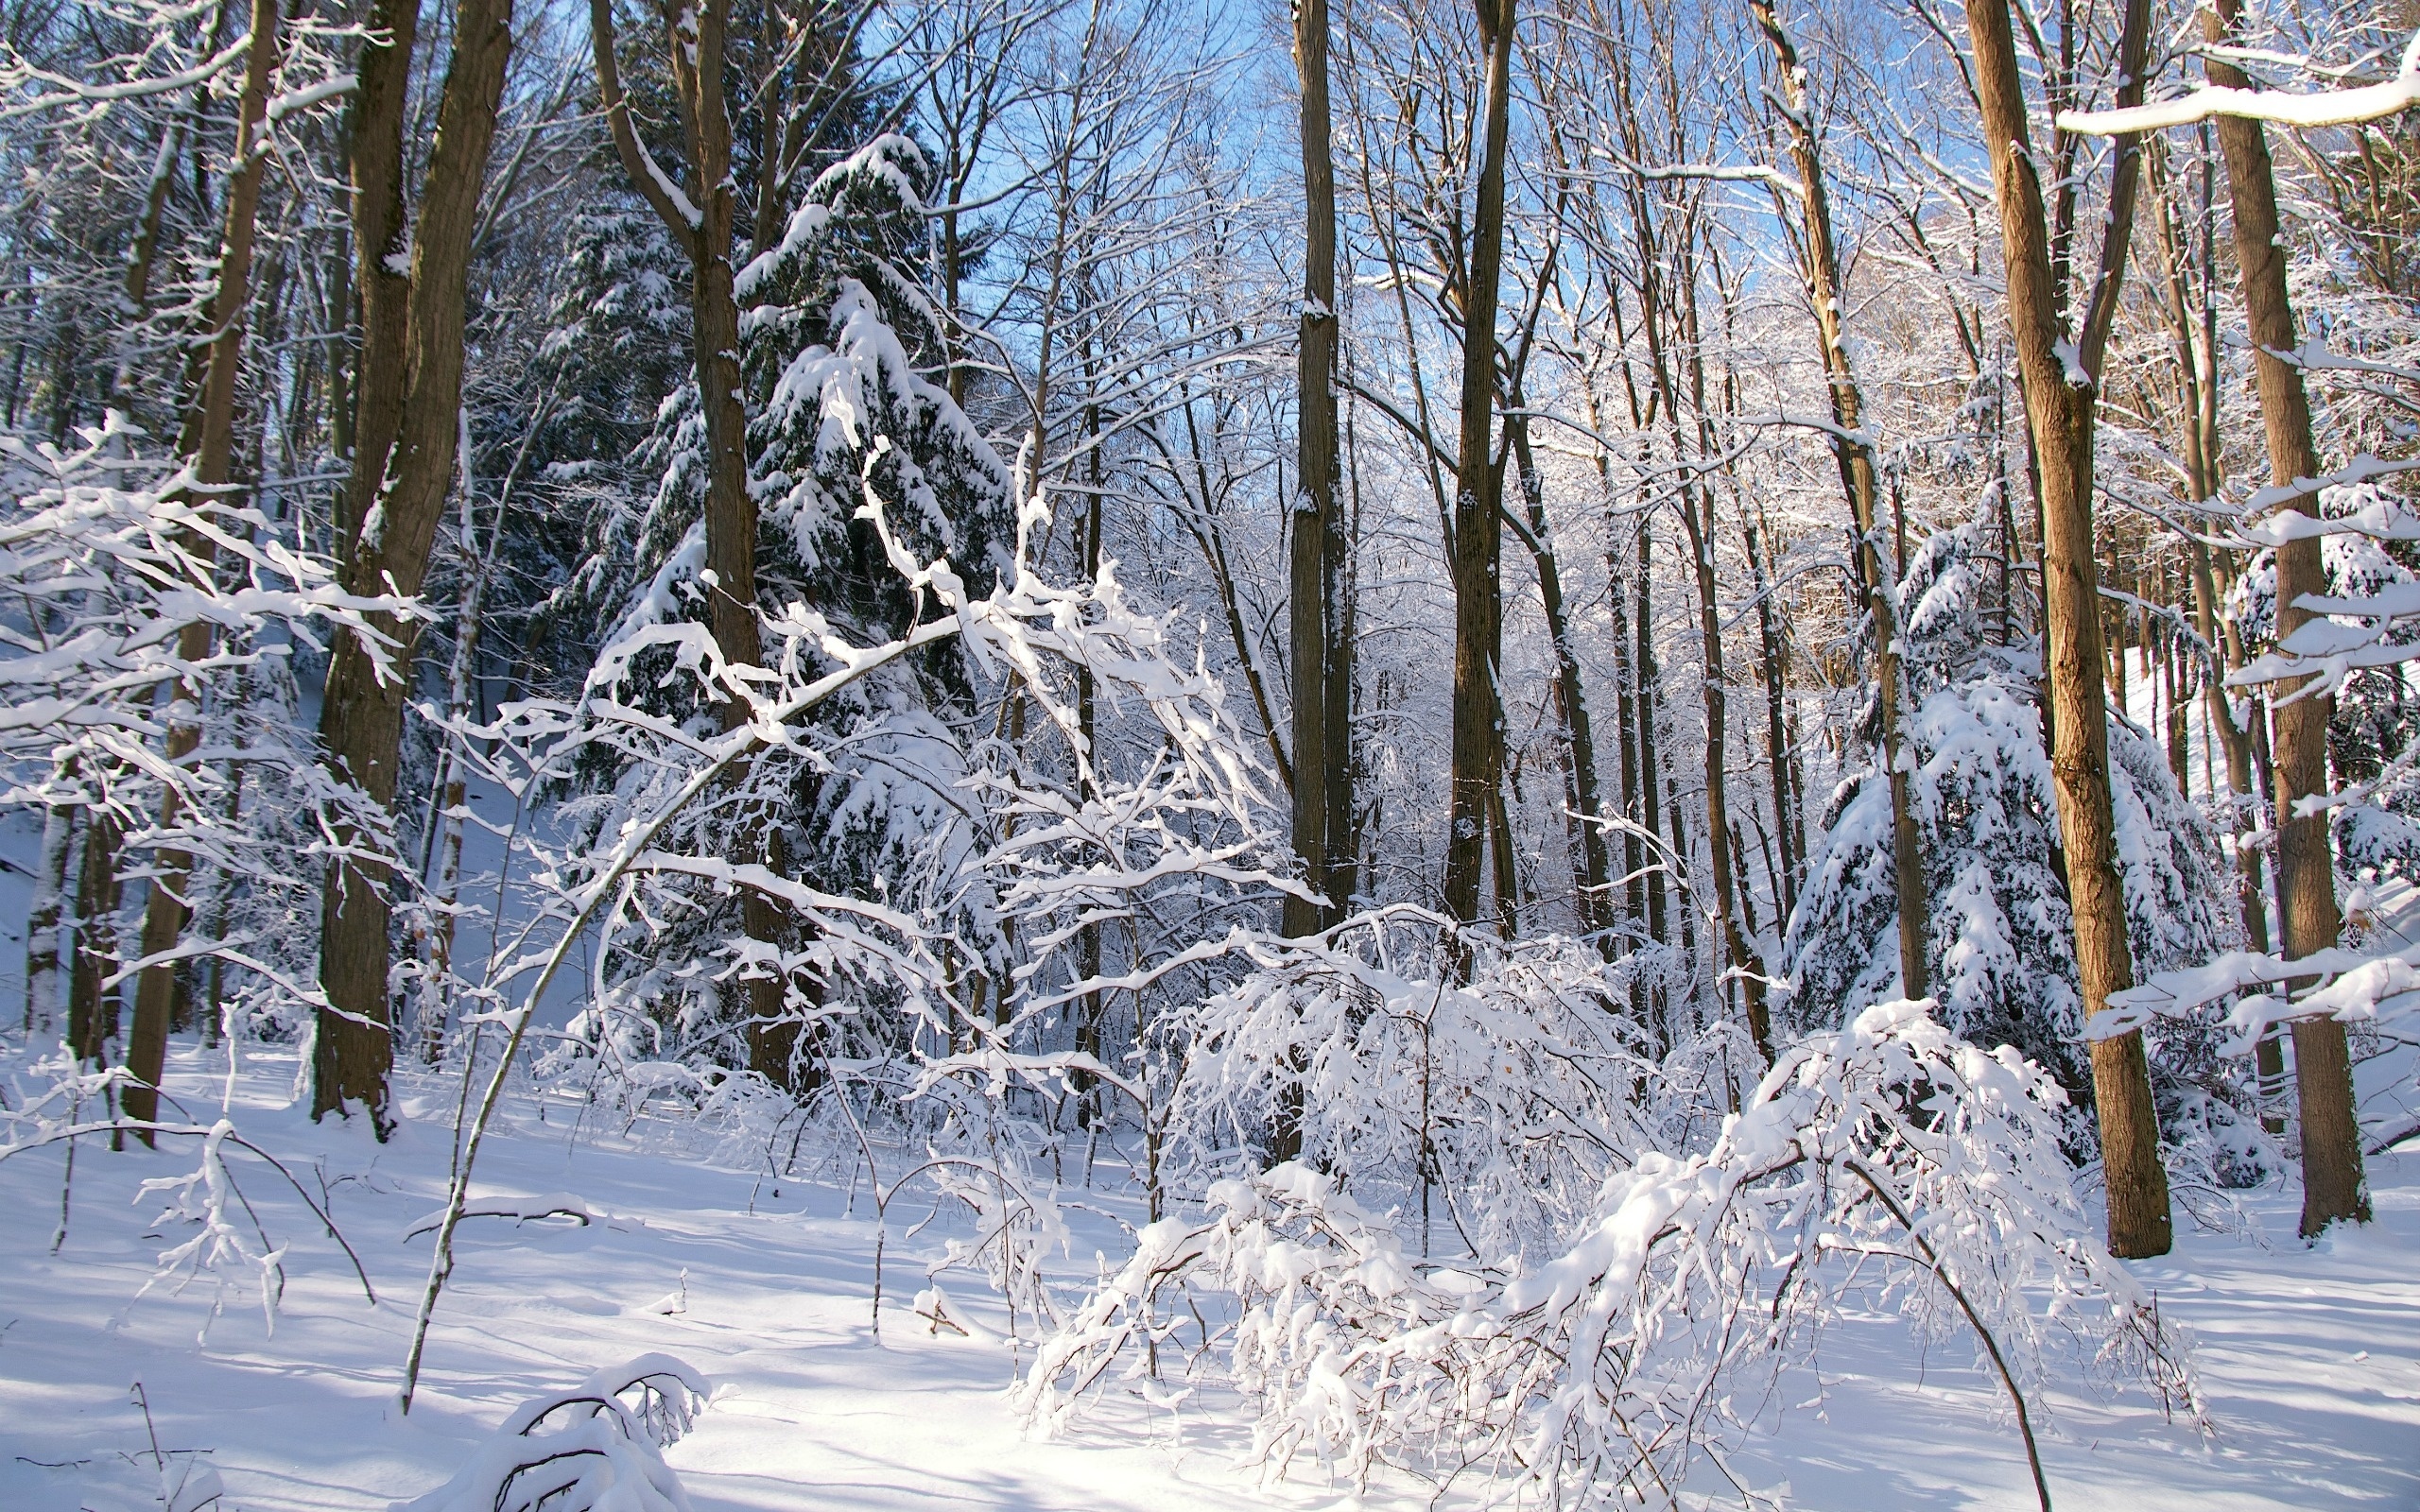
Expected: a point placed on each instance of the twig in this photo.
(1990, 1346)
(742, 742)
(121, 1126)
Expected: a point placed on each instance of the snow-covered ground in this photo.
(2310, 1357)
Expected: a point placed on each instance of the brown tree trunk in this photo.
(92, 1009)
(361, 720)
(1479, 607)
(166, 909)
(1773, 665)
(381, 241)
(1322, 665)
(1651, 764)
(1745, 963)
(1821, 269)
(2333, 1184)
(2060, 414)
(703, 222)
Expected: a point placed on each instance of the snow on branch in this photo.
(595, 1447)
(2340, 107)
(2352, 985)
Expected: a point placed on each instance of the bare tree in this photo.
(167, 910)
(406, 427)
(1478, 536)
(700, 218)
(2061, 377)
(2333, 1187)
(1321, 662)
(1820, 267)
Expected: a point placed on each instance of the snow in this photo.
(2309, 1358)
(807, 1409)
(2343, 107)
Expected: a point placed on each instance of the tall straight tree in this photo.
(1322, 665)
(2061, 378)
(1477, 543)
(1819, 269)
(2333, 1186)
(406, 424)
(702, 220)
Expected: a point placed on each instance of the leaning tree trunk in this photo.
(1479, 603)
(165, 910)
(1322, 664)
(1821, 269)
(2333, 1184)
(361, 718)
(2061, 414)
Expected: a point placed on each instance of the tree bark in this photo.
(1478, 609)
(2333, 1184)
(166, 909)
(381, 273)
(43, 918)
(361, 720)
(1322, 666)
(92, 1009)
(1590, 855)
(2060, 411)
(702, 221)
(1745, 963)
(1821, 269)
(1773, 665)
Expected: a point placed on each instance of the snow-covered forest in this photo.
(1378, 753)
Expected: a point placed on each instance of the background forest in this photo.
(1547, 666)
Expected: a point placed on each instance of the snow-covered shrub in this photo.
(1321, 1297)
(1488, 1105)
(1886, 1165)
(595, 1447)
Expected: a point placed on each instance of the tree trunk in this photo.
(703, 223)
(361, 720)
(1773, 665)
(382, 252)
(1821, 269)
(147, 242)
(1088, 941)
(1323, 662)
(43, 918)
(166, 909)
(1744, 962)
(1650, 765)
(1478, 609)
(2333, 1184)
(1591, 864)
(2061, 416)
(92, 1009)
